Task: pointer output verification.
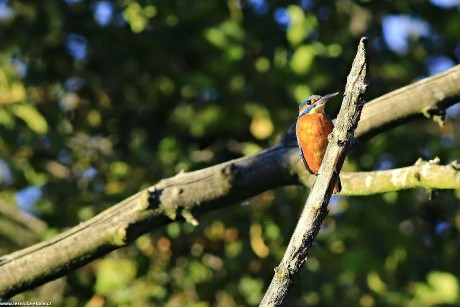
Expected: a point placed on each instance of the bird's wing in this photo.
(301, 152)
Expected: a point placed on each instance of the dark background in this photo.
(99, 99)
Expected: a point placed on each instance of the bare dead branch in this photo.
(315, 209)
(424, 174)
(411, 101)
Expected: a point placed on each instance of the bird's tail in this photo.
(338, 186)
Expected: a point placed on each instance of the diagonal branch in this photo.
(409, 102)
(315, 209)
(202, 190)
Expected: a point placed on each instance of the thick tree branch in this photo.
(428, 97)
(428, 175)
(202, 190)
(315, 209)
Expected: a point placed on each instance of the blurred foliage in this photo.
(99, 99)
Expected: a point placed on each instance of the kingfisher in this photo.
(312, 129)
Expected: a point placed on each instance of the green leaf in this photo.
(114, 274)
(251, 289)
(441, 288)
(302, 59)
(138, 17)
(444, 285)
(6, 119)
(301, 25)
(31, 117)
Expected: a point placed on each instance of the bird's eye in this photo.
(309, 101)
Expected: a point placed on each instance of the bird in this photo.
(312, 129)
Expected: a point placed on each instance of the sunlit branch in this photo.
(427, 175)
(315, 209)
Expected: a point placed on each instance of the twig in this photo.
(315, 209)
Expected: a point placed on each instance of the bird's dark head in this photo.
(314, 104)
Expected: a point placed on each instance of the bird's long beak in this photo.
(325, 99)
(318, 106)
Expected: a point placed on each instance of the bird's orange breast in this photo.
(312, 132)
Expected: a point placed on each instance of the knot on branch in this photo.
(229, 173)
(455, 165)
(342, 143)
(153, 197)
